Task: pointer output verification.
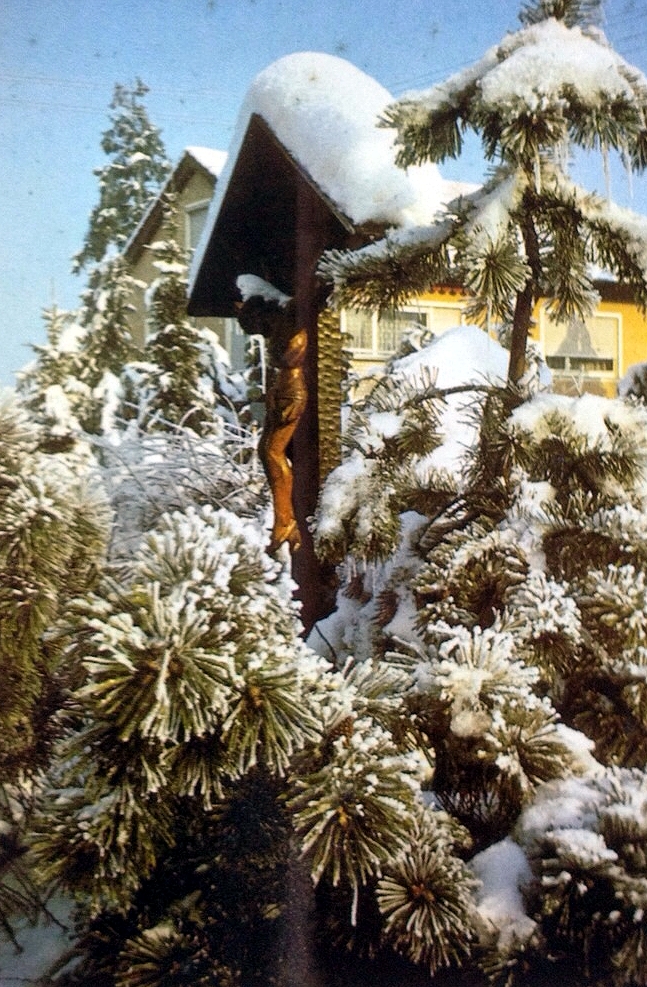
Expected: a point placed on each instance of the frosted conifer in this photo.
(75, 386)
(130, 181)
(530, 232)
(54, 524)
(184, 379)
(50, 386)
(509, 604)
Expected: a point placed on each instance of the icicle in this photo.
(607, 173)
(537, 172)
(353, 911)
(263, 361)
(626, 160)
(369, 578)
(561, 154)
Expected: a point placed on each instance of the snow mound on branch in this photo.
(552, 57)
(461, 357)
(503, 871)
(539, 63)
(595, 418)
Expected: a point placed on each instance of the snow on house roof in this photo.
(209, 158)
(325, 113)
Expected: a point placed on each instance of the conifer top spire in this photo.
(571, 12)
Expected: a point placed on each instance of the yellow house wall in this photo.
(366, 365)
(634, 333)
(632, 348)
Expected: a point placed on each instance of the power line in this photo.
(88, 84)
(162, 115)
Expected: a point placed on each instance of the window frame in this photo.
(579, 373)
(426, 308)
(193, 207)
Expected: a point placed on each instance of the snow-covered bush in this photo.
(148, 474)
(54, 526)
(512, 608)
(586, 842)
(191, 679)
(197, 698)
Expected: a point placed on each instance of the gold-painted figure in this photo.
(285, 403)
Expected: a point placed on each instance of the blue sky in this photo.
(60, 60)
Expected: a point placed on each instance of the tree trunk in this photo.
(524, 303)
(520, 329)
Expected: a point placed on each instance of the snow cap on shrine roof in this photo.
(324, 114)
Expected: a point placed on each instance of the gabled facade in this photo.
(192, 184)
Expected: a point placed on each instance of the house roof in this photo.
(308, 119)
(193, 159)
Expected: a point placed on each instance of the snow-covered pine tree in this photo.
(106, 343)
(130, 181)
(184, 379)
(203, 732)
(54, 524)
(49, 386)
(128, 184)
(85, 375)
(513, 606)
(530, 232)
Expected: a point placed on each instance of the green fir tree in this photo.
(85, 373)
(184, 380)
(131, 179)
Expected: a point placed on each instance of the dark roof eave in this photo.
(231, 250)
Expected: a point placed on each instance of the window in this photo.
(583, 347)
(380, 335)
(196, 216)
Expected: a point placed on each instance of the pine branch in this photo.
(432, 136)
(571, 12)
(388, 272)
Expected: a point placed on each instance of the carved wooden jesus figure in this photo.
(285, 403)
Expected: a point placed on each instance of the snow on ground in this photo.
(43, 945)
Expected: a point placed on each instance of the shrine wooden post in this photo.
(313, 235)
(274, 222)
